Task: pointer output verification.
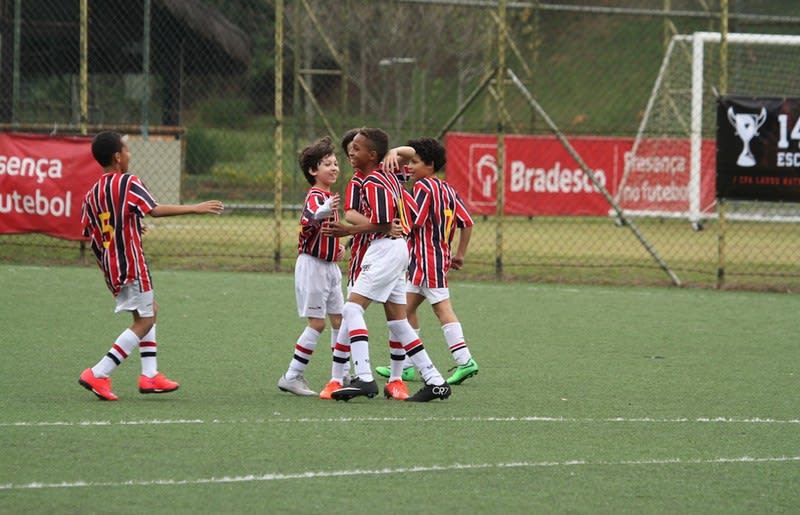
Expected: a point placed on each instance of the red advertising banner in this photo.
(659, 179)
(42, 183)
(542, 179)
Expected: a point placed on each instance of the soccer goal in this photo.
(670, 170)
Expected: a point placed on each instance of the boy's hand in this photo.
(457, 262)
(390, 160)
(396, 230)
(336, 229)
(213, 207)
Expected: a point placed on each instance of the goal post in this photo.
(670, 169)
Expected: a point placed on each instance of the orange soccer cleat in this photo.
(331, 387)
(100, 386)
(157, 384)
(396, 389)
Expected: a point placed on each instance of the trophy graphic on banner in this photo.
(746, 126)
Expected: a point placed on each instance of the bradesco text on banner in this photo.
(42, 183)
(542, 178)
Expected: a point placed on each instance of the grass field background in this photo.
(589, 400)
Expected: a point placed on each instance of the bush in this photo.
(202, 152)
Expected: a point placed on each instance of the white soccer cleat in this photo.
(296, 385)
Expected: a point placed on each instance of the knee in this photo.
(352, 309)
(317, 324)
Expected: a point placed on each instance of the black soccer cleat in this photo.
(430, 392)
(356, 388)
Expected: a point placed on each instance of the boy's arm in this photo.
(213, 207)
(457, 261)
(398, 156)
(358, 224)
(355, 218)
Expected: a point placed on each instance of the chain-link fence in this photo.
(219, 96)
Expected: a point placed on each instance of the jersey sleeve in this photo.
(313, 202)
(352, 194)
(140, 201)
(463, 217)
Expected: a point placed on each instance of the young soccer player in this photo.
(358, 246)
(382, 276)
(111, 217)
(317, 277)
(440, 211)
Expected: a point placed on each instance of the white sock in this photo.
(341, 354)
(454, 336)
(126, 342)
(147, 353)
(302, 352)
(416, 352)
(359, 340)
(397, 355)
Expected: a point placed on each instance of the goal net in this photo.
(670, 170)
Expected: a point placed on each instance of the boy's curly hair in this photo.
(430, 151)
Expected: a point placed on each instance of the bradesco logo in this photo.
(486, 170)
(554, 179)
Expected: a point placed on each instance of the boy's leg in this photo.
(293, 380)
(148, 353)
(466, 367)
(95, 379)
(151, 380)
(403, 369)
(416, 351)
(364, 384)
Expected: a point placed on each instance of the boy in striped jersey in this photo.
(360, 226)
(111, 217)
(317, 277)
(381, 277)
(440, 211)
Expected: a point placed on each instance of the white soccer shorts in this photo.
(383, 271)
(433, 295)
(131, 299)
(317, 287)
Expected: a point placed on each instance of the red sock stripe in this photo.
(359, 332)
(147, 344)
(395, 345)
(341, 347)
(300, 348)
(119, 351)
(412, 345)
(458, 346)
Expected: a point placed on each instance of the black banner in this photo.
(758, 148)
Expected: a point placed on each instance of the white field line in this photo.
(387, 471)
(347, 420)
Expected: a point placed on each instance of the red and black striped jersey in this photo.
(352, 200)
(439, 212)
(311, 241)
(111, 217)
(383, 199)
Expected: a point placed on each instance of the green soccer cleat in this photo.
(463, 372)
(408, 373)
